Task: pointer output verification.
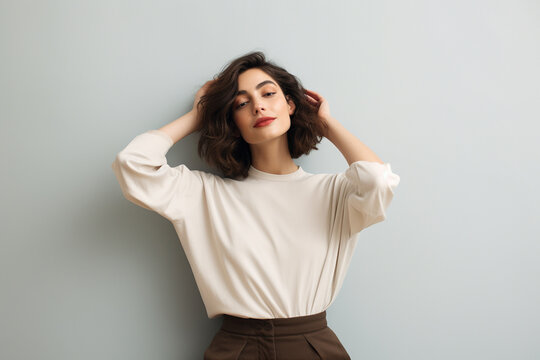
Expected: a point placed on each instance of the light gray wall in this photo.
(445, 91)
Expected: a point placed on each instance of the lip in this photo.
(264, 121)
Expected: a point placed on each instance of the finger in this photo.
(311, 94)
(311, 100)
(314, 94)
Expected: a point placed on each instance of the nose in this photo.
(259, 107)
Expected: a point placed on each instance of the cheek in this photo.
(242, 121)
(284, 106)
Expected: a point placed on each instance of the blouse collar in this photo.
(256, 173)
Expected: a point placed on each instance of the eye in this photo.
(240, 105)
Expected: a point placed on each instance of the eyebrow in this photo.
(257, 87)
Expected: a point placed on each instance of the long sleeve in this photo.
(370, 190)
(148, 181)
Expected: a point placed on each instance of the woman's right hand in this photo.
(199, 94)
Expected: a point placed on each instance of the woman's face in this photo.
(259, 96)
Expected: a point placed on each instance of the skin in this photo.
(268, 144)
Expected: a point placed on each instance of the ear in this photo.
(292, 105)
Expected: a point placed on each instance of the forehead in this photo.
(251, 80)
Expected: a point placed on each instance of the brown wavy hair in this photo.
(221, 144)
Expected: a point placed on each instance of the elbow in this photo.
(389, 179)
(116, 164)
(385, 180)
(125, 162)
(121, 170)
(118, 159)
(121, 158)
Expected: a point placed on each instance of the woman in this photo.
(269, 243)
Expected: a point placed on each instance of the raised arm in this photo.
(349, 145)
(181, 127)
(188, 123)
(145, 177)
(369, 183)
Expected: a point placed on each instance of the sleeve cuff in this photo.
(367, 174)
(163, 134)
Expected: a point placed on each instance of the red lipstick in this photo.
(263, 121)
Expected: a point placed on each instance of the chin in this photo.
(271, 137)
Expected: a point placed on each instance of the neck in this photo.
(273, 156)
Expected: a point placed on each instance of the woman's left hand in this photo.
(319, 102)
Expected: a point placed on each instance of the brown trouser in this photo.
(296, 338)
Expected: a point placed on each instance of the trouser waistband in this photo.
(274, 327)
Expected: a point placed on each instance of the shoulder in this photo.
(207, 176)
